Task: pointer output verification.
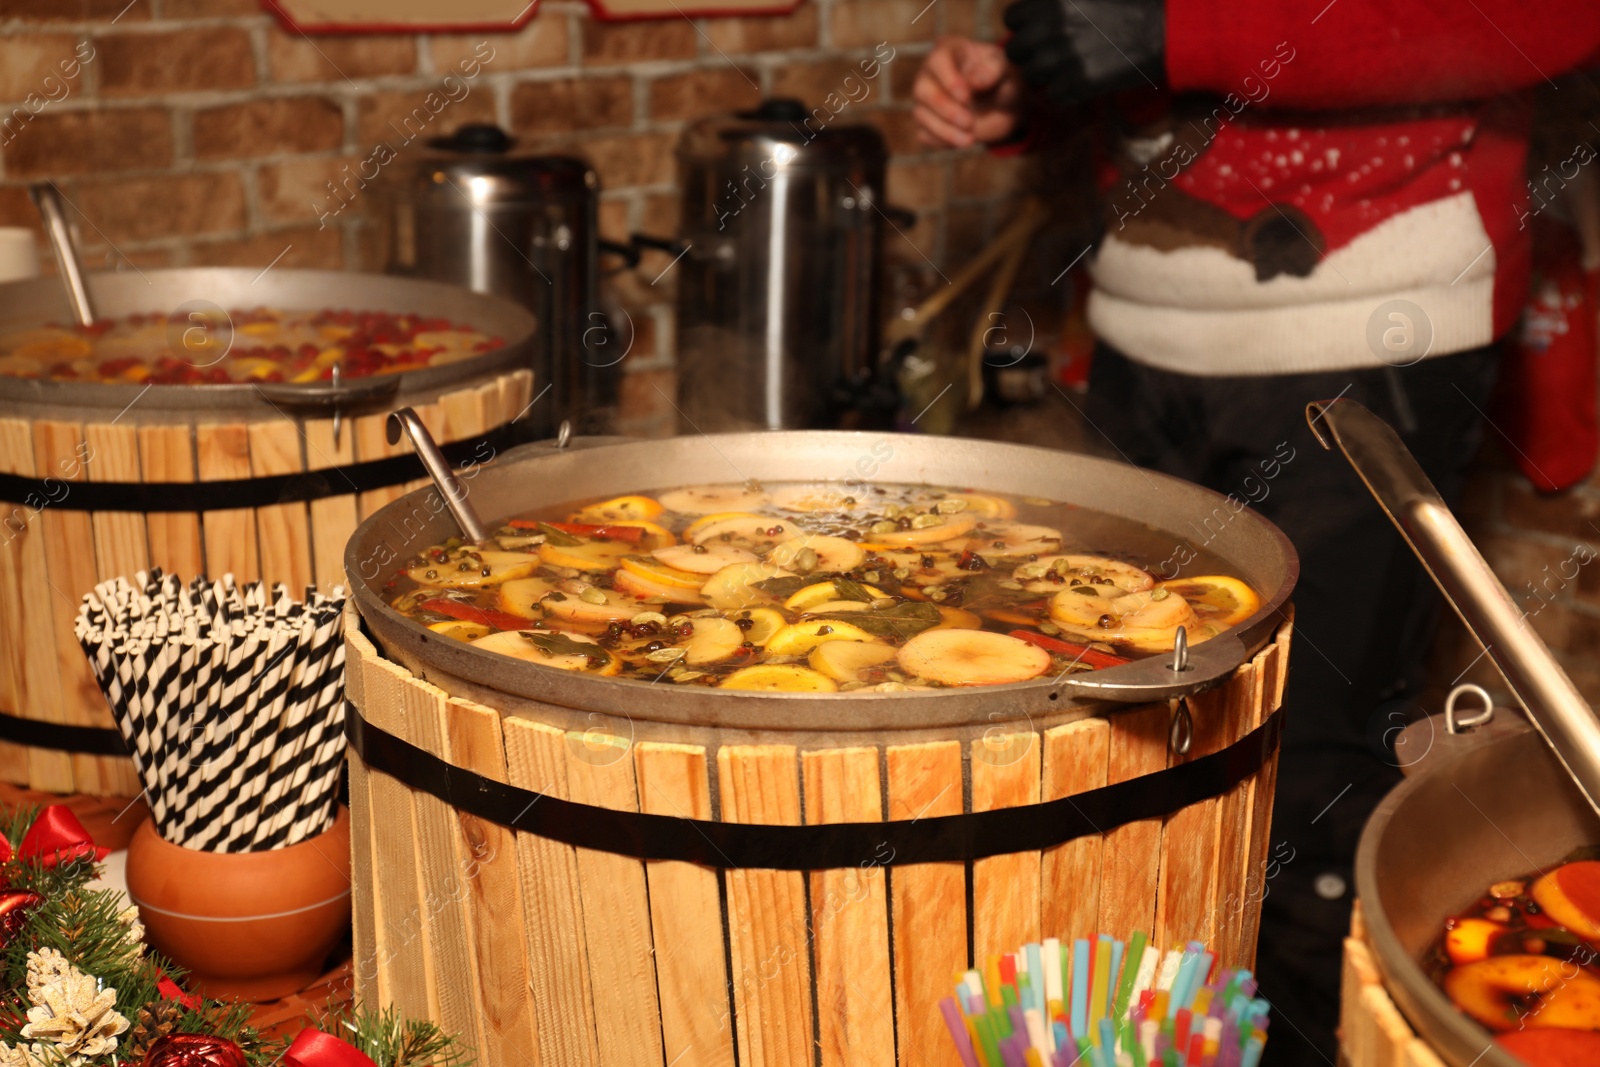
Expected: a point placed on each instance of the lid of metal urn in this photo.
(782, 134)
(477, 166)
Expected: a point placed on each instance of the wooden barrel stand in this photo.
(52, 551)
(539, 953)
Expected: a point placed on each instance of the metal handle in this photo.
(48, 201)
(1554, 705)
(408, 422)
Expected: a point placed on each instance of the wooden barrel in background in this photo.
(53, 549)
(537, 952)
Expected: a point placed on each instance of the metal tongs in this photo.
(48, 200)
(1554, 705)
(406, 421)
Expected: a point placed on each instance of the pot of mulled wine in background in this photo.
(251, 926)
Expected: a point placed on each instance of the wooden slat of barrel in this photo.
(284, 529)
(1372, 1031)
(1186, 905)
(767, 913)
(517, 395)
(223, 451)
(464, 413)
(929, 903)
(493, 897)
(58, 452)
(1132, 854)
(122, 549)
(439, 876)
(557, 957)
(850, 919)
(121, 544)
(1075, 758)
(410, 982)
(1237, 882)
(1005, 889)
(1271, 667)
(333, 518)
(29, 640)
(367, 435)
(166, 454)
(616, 910)
(686, 914)
(368, 963)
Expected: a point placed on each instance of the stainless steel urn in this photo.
(474, 212)
(777, 295)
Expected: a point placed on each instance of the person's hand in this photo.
(1078, 49)
(966, 93)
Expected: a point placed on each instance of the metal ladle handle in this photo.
(1555, 707)
(406, 421)
(48, 201)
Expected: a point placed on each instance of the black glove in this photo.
(1077, 49)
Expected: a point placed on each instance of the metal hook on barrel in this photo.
(1454, 721)
(1180, 735)
(406, 421)
(1180, 650)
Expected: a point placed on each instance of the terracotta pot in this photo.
(248, 926)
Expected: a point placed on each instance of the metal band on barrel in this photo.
(83, 740)
(731, 845)
(259, 492)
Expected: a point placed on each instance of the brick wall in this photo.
(190, 132)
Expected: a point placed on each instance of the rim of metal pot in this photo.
(1426, 1007)
(1144, 680)
(118, 293)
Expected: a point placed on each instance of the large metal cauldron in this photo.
(41, 300)
(1122, 510)
(1476, 809)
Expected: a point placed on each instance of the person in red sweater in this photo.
(1301, 201)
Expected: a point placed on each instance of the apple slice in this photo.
(1570, 896)
(1469, 940)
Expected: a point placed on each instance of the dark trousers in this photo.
(1364, 615)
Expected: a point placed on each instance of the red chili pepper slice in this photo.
(631, 534)
(1082, 653)
(500, 620)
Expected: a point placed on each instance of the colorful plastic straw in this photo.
(1103, 1003)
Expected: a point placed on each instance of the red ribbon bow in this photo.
(170, 990)
(314, 1048)
(55, 837)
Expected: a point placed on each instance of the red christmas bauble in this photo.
(194, 1050)
(14, 905)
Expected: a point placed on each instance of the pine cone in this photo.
(71, 1015)
(155, 1021)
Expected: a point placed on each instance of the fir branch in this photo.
(393, 1041)
(50, 881)
(83, 925)
(230, 1020)
(16, 822)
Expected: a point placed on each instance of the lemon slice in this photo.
(822, 592)
(586, 555)
(800, 638)
(708, 499)
(764, 622)
(620, 509)
(1216, 598)
(502, 566)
